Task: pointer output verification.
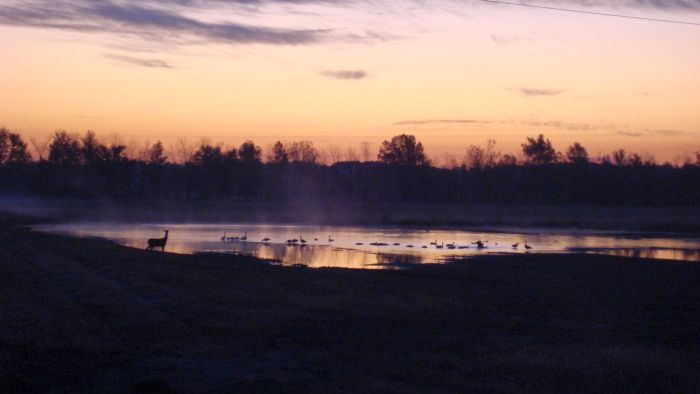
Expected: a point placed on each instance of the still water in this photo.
(380, 247)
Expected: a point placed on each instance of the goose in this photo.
(315, 239)
(479, 244)
(424, 247)
(442, 245)
(396, 244)
(515, 245)
(358, 243)
(265, 240)
(434, 242)
(244, 237)
(528, 247)
(330, 239)
(224, 238)
(409, 246)
(302, 240)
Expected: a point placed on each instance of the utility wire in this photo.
(591, 12)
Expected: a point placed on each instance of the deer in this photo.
(158, 242)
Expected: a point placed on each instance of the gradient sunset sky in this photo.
(454, 73)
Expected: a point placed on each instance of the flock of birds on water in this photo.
(479, 244)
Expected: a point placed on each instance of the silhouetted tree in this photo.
(402, 149)
(92, 151)
(12, 148)
(577, 154)
(64, 150)
(155, 154)
(507, 160)
(302, 152)
(279, 154)
(231, 156)
(635, 160)
(249, 153)
(474, 158)
(117, 153)
(4, 144)
(207, 156)
(619, 157)
(539, 151)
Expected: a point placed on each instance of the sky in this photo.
(339, 72)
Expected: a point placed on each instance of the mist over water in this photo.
(379, 246)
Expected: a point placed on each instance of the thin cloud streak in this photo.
(345, 74)
(134, 61)
(438, 121)
(532, 92)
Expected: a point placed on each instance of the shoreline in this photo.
(91, 315)
(625, 219)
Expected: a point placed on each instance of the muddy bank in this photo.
(89, 315)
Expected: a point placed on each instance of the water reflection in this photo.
(647, 253)
(380, 247)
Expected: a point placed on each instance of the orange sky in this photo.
(452, 73)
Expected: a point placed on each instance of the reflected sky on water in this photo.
(394, 247)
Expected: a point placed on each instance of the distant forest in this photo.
(71, 166)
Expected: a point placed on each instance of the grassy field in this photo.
(88, 315)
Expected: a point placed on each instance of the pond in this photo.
(380, 247)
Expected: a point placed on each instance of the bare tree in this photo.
(365, 151)
(334, 154)
(184, 150)
(351, 155)
(491, 155)
(619, 157)
(302, 151)
(40, 146)
(474, 159)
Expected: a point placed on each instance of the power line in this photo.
(592, 12)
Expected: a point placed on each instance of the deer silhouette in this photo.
(158, 242)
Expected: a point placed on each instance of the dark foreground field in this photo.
(88, 315)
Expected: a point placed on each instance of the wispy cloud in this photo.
(135, 61)
(501, 39)
(533, 92)
(345, 74)
(666, 132)
(438, 121)
(629, 133)
(656, 4)
(149, 20)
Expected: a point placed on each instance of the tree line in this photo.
(84, 167)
